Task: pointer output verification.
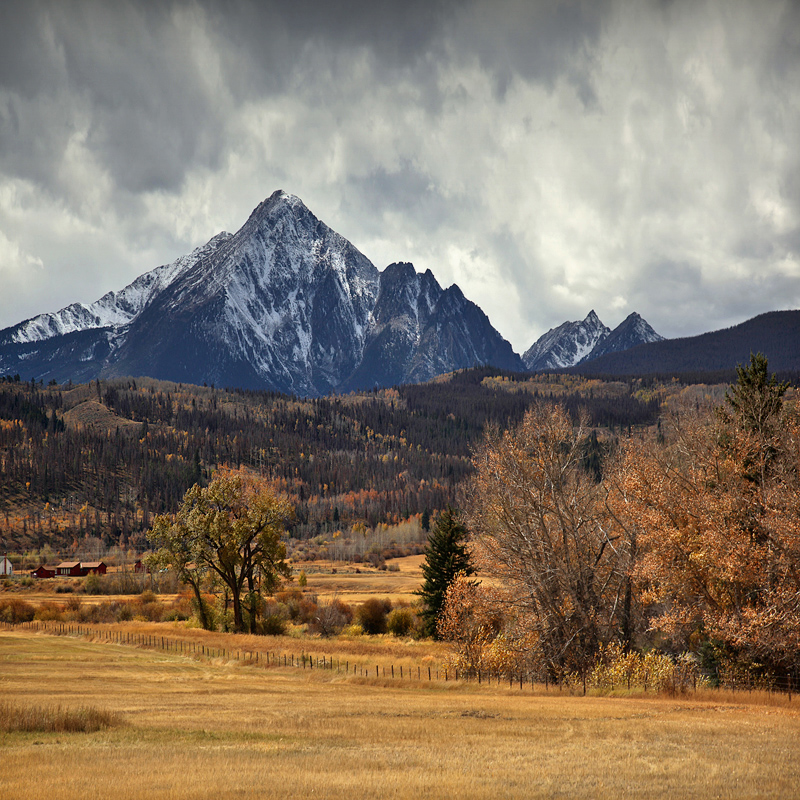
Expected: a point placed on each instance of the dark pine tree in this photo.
(446, 556)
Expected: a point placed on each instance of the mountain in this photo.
(776, 334)
(575, 343)
(285, 304)
(632, 331)
(566, 345)
(418, 330)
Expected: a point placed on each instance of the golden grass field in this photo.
(220, 729)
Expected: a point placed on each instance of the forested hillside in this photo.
(100, 459)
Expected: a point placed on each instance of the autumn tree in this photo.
(717, 505)
(471, 620)
(230, 530)
(446, 557)
(544, 530)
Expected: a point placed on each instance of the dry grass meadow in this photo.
(180, 728)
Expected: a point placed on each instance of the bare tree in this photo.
(545, 531)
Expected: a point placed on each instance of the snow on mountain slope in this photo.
(574, 343)
(285, 303)
(566, 345)
(113, 309)
(632, 331)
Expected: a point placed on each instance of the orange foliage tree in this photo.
(717, 509)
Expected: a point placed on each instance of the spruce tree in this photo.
(446, 556)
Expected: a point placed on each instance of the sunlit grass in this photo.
(201, 730)
(55, 719)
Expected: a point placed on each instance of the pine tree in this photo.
(446, 557)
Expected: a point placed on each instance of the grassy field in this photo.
(181, 728)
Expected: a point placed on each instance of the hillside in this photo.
(99, 460)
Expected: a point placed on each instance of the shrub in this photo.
(274, 619)
(376, 560)
(73, 604)
(92, 585)
(353, 630)
(307, 609)
(401, 621)
(50, 612)
(371, 615)
(15, 611)
(331, 618)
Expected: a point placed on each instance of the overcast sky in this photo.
(549, 158)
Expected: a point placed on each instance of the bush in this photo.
(275, 617)
(371, 615)
(50, 612)
(331, 618)
(92, 585)
(401, 621)
(307, 609)
(16, 611)
(353, 630)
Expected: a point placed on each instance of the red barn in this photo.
(43, 571)
(96, 567)
(71, 569)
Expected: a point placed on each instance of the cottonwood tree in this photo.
(471, 620)
(231, 531)
(718, 510)
(446, 557)
(544, 530)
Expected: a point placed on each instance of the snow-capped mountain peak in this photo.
(285, 303)
(575, 343)
(566, 345)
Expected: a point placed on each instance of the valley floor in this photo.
(219, 728)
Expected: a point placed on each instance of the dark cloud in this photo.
(549, 157)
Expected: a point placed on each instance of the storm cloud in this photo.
(549, 157)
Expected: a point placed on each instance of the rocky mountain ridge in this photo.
(581, 341)
(285, 303)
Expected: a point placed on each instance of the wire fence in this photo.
(366, 668)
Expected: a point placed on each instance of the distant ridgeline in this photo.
(100, 459)
(775, 334)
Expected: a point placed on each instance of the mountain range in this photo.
(288, 304)
(576, 342)
(285, 303)
(776, 334)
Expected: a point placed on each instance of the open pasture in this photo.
(195, 729)
(356, 583)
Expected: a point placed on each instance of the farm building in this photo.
(95, 567)
(44, 571)
(6, 567)
(69, 568)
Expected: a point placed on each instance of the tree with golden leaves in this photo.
(717, 505)
(230, 530)
(545, 532)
